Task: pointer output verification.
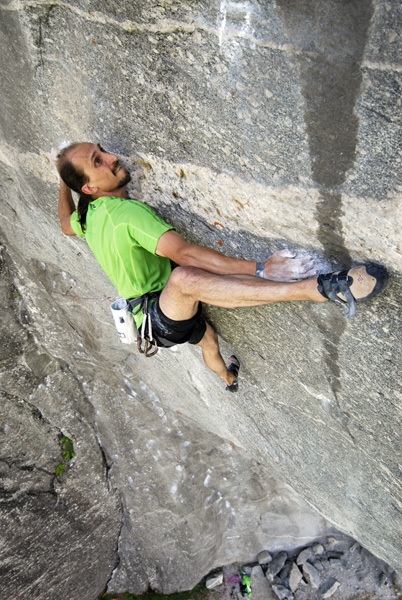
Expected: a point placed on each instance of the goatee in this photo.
(126, 179)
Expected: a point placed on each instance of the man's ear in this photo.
(88, 189)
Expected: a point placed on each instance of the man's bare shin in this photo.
(212, 356)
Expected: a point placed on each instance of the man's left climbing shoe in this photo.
(356, 285)
(233, 366)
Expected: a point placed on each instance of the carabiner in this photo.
(148, 347)
(151, 348)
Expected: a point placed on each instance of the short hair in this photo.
(75, 178)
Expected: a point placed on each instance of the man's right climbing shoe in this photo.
(356, 285)
(233, 366)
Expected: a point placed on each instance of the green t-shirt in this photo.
(123, 235)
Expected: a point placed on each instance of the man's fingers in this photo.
(286, 253)
(304, 269)
(286, 265)
(54, 155)
(307, 266)
(296, 261)
(304, 273)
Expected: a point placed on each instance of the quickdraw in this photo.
(146, 343)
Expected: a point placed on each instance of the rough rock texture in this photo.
(250, 126)
(51, 527)
(342, 569)
(150, 499)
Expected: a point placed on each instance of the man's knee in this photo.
(182, 278)
(210, 339)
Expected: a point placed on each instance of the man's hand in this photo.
(66, 205)
(284, 265)
(66, 208)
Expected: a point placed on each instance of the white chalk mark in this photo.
(223, 21)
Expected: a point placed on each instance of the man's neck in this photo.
(117, 193)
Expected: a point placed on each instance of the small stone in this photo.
(318, 549)
(260, 588)
(356, 547)
(295, 577)
(365, 554)
(284, 573)
(282, 592)
(331, 542)
(264, 557)
(334, 562)
(328, 588)
(214, 581)
(334, 554)
(276, 565)
(312, 575)
(362, 574)
(304, 556)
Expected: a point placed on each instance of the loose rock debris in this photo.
(337, 567)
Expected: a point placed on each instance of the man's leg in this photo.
(212, 356)
(188, 285)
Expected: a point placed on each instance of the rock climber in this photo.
(136, 250)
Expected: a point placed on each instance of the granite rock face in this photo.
(53, 522)
(151, 498)
(250, 126)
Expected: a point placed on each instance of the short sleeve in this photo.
(147, 227)
(76, 225)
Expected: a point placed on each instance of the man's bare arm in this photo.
(172, 245)
(66, 208)
(281, 266)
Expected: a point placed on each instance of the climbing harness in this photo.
(123, 311)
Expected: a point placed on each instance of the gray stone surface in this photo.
(282, 593)
(357, 576)
(276, 565)
(150, 499)
(215, 580)
(304, 556)
(250, 126)
(329, 588)
(311, 575)
(295, 577)
(264, 557)
(58, 534)
(260, 588)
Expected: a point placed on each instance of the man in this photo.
(136, 248)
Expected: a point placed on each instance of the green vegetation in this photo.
(68, 453)
(200, 592)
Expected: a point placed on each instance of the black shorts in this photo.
(169, 333)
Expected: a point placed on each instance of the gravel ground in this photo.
(336, 567)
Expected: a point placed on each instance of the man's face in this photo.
(106, 176)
